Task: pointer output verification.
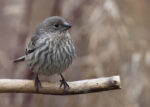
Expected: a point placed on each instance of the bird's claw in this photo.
(64, 83)
(37, 83)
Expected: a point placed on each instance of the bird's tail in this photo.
(22, 58)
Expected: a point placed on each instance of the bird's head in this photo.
(53, 24)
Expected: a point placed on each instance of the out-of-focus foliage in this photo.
(112, 37)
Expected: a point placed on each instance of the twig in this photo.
(76, 87)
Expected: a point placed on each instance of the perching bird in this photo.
(51, 49)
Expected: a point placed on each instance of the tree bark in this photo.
(75, 87)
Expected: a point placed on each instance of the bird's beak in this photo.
(67, 25)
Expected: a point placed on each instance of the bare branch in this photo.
(76, 87)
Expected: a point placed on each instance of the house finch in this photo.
(51, 49)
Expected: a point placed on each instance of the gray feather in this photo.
(22, 58)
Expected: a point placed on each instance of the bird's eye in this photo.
(56, 25)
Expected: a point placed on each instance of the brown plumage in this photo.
(51, 49)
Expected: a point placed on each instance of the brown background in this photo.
(112, 37)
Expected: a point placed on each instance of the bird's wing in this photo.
(33, 45)
(31, 48)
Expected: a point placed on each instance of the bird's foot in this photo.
(64, 83)
(37, 83)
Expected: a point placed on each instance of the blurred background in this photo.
(112, 37)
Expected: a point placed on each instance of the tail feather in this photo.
(22, 58)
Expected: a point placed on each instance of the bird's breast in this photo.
(60, 56)
(54, 56)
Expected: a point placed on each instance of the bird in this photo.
(50, 51)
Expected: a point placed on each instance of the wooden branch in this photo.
(76, 87)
